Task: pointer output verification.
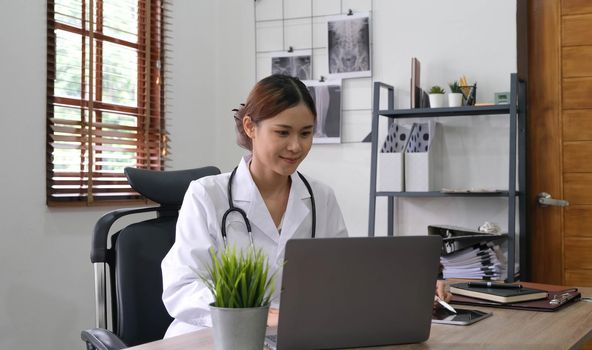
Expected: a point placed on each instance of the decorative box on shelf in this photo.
(423, 157)
(391, 159)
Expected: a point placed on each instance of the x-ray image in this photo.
(327, 97)
(293, 64)
(349, 46)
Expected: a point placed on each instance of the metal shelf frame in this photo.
(517, 113)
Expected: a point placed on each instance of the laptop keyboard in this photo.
(271, 342)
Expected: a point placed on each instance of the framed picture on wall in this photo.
(349, 45)
(327, 97)
(295, 64)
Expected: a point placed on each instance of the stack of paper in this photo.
(483, 261)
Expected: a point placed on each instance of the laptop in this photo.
(356, 292)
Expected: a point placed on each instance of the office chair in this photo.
(137, 314)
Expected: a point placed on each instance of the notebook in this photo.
(355, 292)
(499, 295)
(558, 298)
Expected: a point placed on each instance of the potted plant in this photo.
(242, 286)
(455, 97)
(436, 97)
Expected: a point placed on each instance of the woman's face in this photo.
(282, 142)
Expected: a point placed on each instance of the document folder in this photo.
(458, 238)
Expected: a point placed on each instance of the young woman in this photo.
(276, 125)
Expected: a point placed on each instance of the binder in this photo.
(468, 253)
(458, 238)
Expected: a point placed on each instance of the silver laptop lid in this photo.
(362, 291)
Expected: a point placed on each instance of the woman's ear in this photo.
(249, 126)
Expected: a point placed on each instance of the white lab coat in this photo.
(198, 228)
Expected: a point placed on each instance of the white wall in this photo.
(211, 74)
(191, 80)
(46, 287)
(46, 291)
(476, 38)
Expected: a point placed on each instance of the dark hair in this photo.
(268, 98)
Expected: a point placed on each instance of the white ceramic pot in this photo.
(455, 99)
(239, 328)
(437, 100)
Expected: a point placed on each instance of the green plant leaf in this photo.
(239, 279)
(455, 87)
(437, 90)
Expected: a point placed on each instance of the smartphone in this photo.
(463, 317)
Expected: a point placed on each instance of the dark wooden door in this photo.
(560, 140)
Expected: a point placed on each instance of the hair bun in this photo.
(237, 110)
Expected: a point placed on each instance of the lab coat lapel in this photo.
(296, 211)
(245, 190)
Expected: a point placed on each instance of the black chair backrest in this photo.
(166, 188)
(138, 249)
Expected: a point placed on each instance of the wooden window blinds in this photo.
(105, 97)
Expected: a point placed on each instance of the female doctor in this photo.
(276, 125)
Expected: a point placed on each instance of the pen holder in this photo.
(469, 94)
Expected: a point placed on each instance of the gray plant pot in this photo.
(239, 328)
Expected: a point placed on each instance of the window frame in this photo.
(151, 139)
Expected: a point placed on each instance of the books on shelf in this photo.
(497, 294)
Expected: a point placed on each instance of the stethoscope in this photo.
(242, 213)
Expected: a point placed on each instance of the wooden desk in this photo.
(569, 328)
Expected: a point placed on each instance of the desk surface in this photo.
(506, 329)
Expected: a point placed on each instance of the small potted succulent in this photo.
(242, 286)
(436, 97)
(455, 97)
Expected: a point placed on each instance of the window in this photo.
(105, 97)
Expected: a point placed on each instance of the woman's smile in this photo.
(290, 160)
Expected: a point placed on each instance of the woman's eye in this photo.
(282, 133)
(306, 133)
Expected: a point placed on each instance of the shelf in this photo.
(515, 111)
(446, 111)
(446, 194)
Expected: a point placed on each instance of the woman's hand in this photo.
(272, 317)
(441, 292)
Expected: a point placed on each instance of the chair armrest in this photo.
(98, 249)
(102, 339)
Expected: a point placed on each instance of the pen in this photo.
(445, 304)
(494, 285)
